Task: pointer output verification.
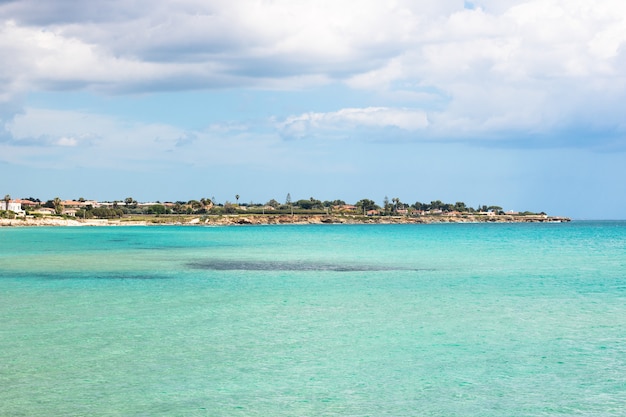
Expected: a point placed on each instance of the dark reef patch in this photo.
(238, 265)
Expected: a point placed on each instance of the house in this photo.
(28, 203)
(13, 205)
(79, 204)
(44, 211)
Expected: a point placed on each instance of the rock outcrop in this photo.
(258, 219)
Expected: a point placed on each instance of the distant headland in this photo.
(82, 212)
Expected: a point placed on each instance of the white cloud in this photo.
(506, 64)
(65, 141)
(99, 140)
(130, 43)
(46, 138)
(196, 44)
(354, 118)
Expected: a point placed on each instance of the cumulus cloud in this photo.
(486, 67)
(120, 45)
(536, 67)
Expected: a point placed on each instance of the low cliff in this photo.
(347, 219)
(259, 219)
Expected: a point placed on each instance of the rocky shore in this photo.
(254, 219)
(347, 219)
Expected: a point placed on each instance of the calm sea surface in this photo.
(360, 320)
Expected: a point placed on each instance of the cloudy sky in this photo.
(516, 103)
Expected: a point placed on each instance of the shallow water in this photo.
(358, 320)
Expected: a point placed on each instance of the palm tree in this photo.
(58, 205)
(7, 199)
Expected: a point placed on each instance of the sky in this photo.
(514, 103)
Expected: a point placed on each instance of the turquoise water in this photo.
(332, 320)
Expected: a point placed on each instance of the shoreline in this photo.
(259, 219)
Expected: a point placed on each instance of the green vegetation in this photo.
(100, 213)
(208, 208)
(7, 214)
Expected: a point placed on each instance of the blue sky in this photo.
(500, 102)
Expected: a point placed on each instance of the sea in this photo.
(314, 320)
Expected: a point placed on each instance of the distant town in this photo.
(207, 210)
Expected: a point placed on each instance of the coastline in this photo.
(259, 219)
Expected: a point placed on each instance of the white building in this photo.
(14, 206)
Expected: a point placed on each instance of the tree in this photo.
(84, 213)
(386, 205)
(365, 205)
(273, 203)
(194, 204)
(447, 207)
(288, 202)
(7, 199)
(104, 212)
(206, 203)
(437, 205)
(334, 203)
(396, 204)
(229, 208)
(309, 204)
(58, 205)
(178, 208)
(156, 209)
(421, 206)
